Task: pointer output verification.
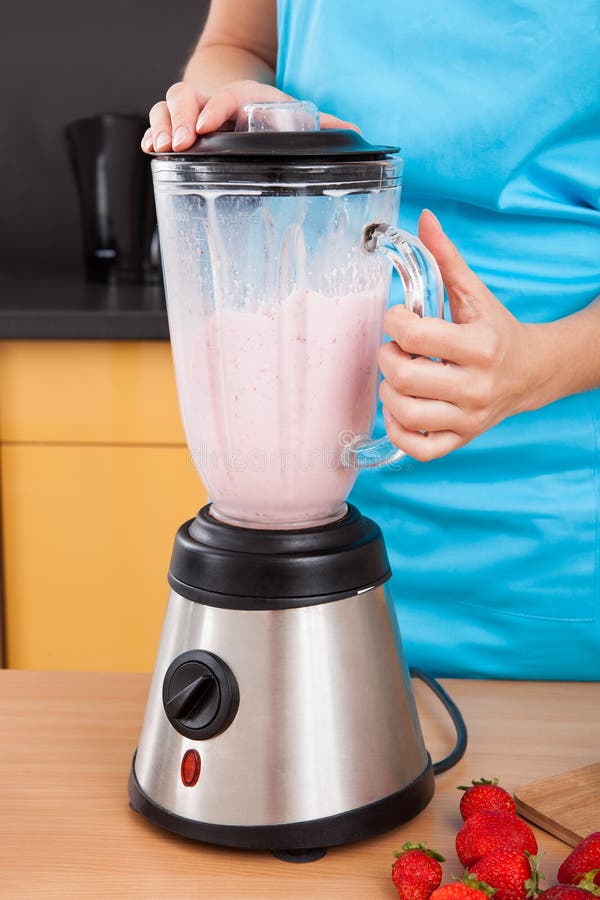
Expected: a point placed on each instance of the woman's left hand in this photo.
(489, 368)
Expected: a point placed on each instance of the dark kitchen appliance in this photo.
(114, 186)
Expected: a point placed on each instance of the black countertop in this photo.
(39, 304)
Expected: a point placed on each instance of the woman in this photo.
(493, 533)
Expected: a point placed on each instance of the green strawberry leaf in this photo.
(462, 787)
(588, 884)
(532, 885)
(471, 881)
(411, 845)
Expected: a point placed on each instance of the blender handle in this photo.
(423, 295)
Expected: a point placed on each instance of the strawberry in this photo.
(564, 892)
(484, 832)
(485, 795)
(467, 889)
(513, 874)
(417, 871)
(582, 865)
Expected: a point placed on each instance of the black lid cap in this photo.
(337, 143)
(245, 568)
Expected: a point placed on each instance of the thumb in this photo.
(465, 290)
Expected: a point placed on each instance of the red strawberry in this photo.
(514, 875)
(467, 889)
(564, 892)
(487, 831)
(485, 795)
(417, 871)
(582, 865)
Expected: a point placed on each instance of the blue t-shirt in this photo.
(494, 548)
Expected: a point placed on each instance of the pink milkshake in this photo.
(268, 398)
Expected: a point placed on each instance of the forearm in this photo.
(233, 65)
(563, 357)
(214, 65)
(239, 43)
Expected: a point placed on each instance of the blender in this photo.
(280, 714)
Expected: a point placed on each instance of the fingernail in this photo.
(147, 143)
(434, 217)
(162, 140)
(202, 119)
(180, 134)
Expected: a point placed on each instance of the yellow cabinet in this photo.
(88, 392)
(95, 478)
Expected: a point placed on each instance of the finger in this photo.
(146, 144)
(417, 414)
(329, 121)
(422, 377)
(468, 296)
(160, 123)
(420, 446)
(226, 103)
(218, 109)
(430, 336)
(455, 272)
(184, 107)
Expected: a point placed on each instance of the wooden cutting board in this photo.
(567, 805)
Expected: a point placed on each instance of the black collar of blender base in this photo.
(214, 532)
(261, 604)
(343, 144)
(250, 569)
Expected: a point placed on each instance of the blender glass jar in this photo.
(275, 309)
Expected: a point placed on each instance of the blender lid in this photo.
(283, 144)
(282, 130)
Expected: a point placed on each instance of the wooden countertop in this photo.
(66, 830)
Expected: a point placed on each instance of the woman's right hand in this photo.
(176, 121)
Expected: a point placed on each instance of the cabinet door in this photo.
(111, 392)
(87, 533)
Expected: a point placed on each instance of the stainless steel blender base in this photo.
(325, 746)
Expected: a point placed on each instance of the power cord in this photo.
(457, 720)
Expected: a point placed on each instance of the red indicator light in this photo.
(190, 768)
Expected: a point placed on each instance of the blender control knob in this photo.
(196, 703)
(200, 694)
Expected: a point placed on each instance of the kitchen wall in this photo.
(61, 61)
